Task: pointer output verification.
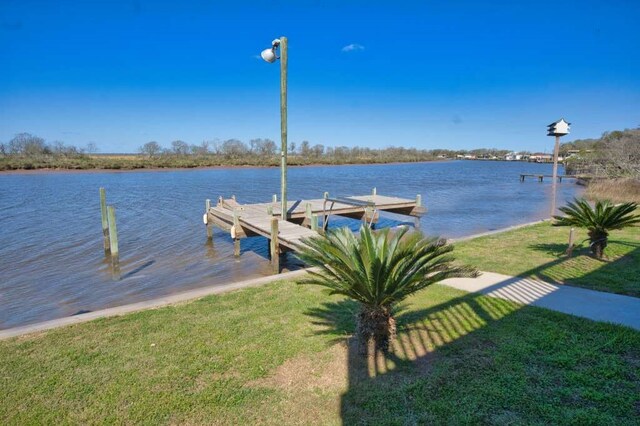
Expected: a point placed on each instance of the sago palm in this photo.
(378, 270)
(598, 220)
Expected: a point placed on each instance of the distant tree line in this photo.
(266, 148)
(27, 151)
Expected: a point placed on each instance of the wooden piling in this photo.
(307, 215)
(105, 220)
(274, 199)
(207, 206)
(236, 247)
(314, 222)
(418, 200)
(113, 236)
(569, 251)
(275, 246)
(374, 191)
(236, 231)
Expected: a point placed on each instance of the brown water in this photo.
(52, 263)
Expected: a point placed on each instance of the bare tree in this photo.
(92, 148)
(305, 149)
(180, 147)
(28, 144)
(318, 150)
(151, 149)
(233, 148)
(202, 149)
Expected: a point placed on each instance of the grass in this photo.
(538, 251)
(280, 354)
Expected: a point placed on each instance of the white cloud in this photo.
(352, 47)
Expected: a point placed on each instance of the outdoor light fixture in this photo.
(269, 55)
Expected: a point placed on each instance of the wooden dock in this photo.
(541, 177)
(305, 218)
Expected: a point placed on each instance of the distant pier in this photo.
(541, 177)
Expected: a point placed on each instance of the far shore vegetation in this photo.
(29, 152)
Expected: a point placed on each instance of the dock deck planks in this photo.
(247, 220)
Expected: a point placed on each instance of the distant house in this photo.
(514, 156)
(541, 157)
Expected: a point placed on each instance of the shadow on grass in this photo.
(582, 269)
(467, 336)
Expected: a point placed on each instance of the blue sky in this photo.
(445, 74)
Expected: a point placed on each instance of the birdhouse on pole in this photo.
(558, 128)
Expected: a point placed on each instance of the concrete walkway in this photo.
(595, 305)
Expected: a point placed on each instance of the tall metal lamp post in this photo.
(270, 56)
(557, 129)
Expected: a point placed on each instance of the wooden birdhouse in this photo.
(558, 128)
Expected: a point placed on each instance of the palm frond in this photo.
(604, 217)
(378, 268)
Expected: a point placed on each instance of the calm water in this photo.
(52, 262)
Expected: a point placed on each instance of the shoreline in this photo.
(45, 170)
(190, 295)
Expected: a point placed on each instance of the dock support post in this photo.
(274, 199)
(207, 206)
(113, 236)
(374, 191)
(314, 222)
(105, 220)
(307, 214)
(235, 229)
(275, 246)
(521, 178)
(540, 178)
(416, 220)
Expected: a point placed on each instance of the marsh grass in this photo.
(614, 190)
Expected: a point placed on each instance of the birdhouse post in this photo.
(557, 128)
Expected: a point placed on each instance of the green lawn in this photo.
(278, 354)
(538, 251)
